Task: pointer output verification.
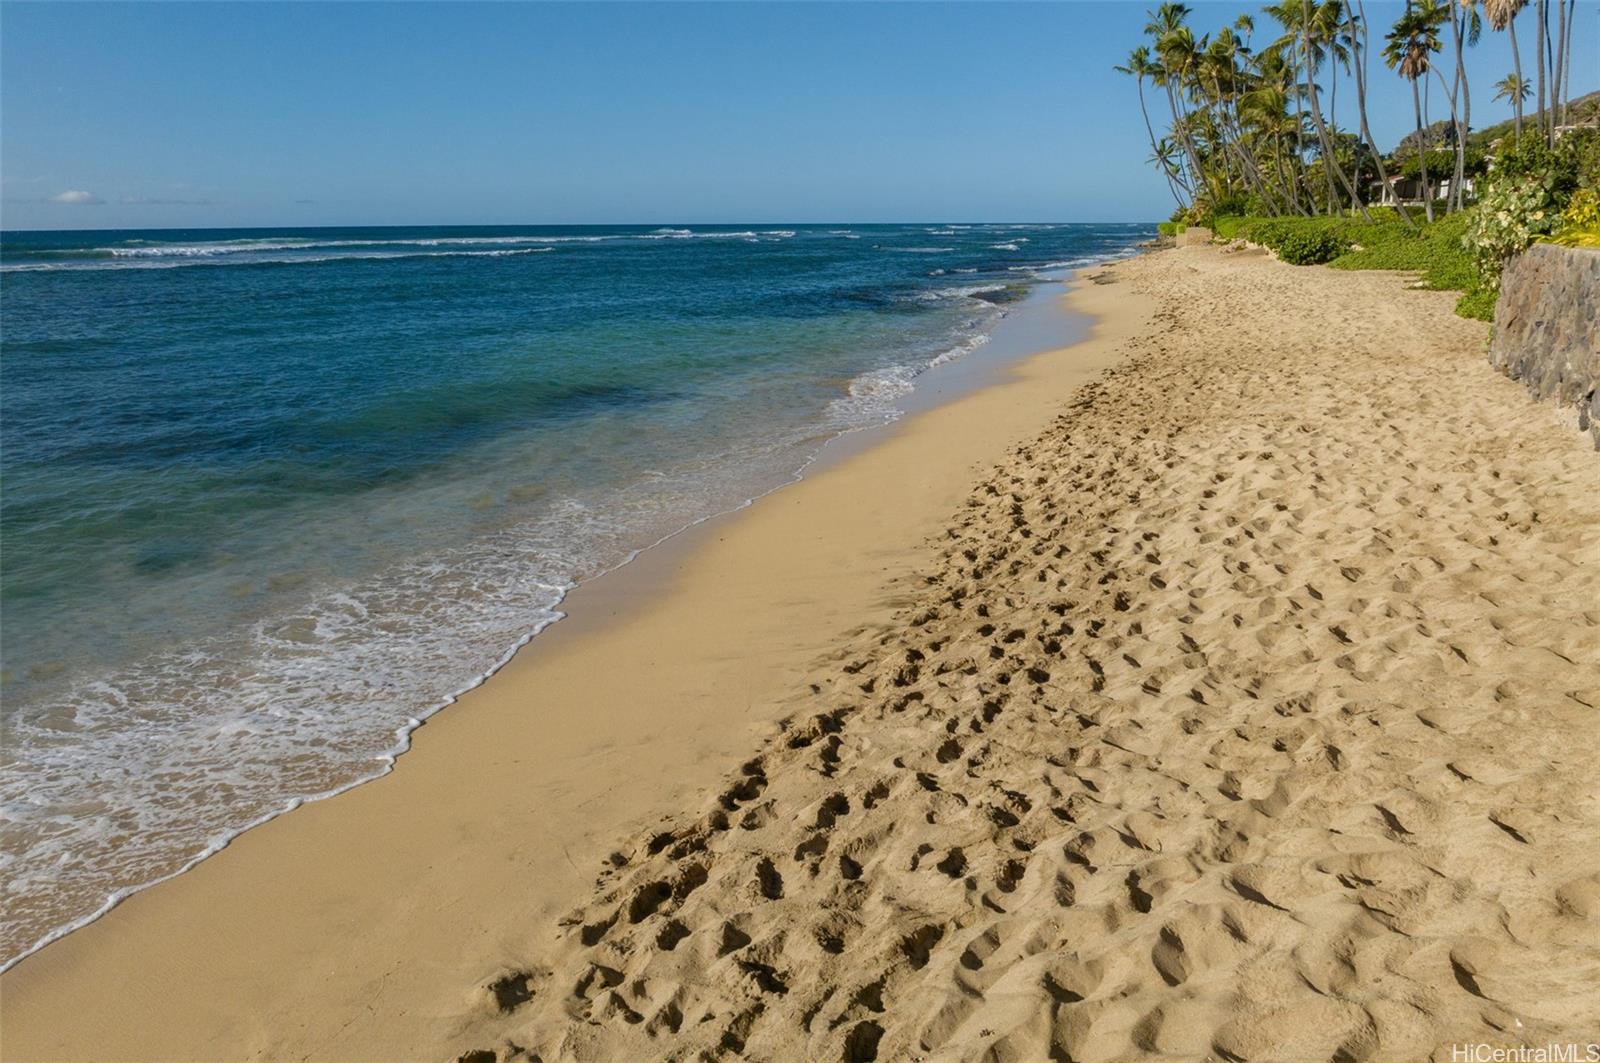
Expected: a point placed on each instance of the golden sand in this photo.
(1245, 713)
(1245, 708)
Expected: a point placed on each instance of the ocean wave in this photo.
(690, 234)
(244, 247)
(873, 397)
(965, 291)
(1070, 263)
(154, 262)
(140, 249)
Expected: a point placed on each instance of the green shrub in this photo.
(1231, 206)
(1435, 251)
(1580, 222)
(1514, 211)
(1307, 248)
(1477, 302)
(1529, 187)
(1227, 227)
(1268, 232)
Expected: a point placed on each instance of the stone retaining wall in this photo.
(1547, 329)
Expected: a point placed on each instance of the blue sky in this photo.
(162, 115)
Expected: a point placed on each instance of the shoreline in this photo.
(650, 575)
(949, 379)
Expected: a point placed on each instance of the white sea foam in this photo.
(309, 256)
(965, 291)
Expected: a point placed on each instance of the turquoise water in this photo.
(271, 497)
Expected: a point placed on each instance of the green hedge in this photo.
(1311, 248)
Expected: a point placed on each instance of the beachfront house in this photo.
(1408, 190)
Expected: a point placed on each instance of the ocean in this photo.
(269, 498)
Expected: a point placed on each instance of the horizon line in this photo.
(566, 225)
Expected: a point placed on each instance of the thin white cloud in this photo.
(76, 197)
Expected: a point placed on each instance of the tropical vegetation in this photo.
(1245, 126)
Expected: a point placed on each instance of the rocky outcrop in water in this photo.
(1547, 329)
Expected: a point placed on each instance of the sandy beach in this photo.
(1222, 686)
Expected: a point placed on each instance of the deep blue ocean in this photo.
(269, 497)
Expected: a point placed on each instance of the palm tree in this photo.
(1409, 50)
(1268, 105)
(1174, 45)
(1305, 54)
(1166, 157)
(1513, 90)
(1502, 15)
(1180, 59)
(1141, 66)
(1228, 60)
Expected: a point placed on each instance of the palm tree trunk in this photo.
(1550, 72)
(1181, 125)
(1557, 103)
(1464, 124)
(1422, 152)
(1328, 162)
(1359, 67)
(1567, 68)
(1285, 177)
(1150, 131)
(1300, 138)
(1333, 85)
(1183, 138)
(1248, 164)
(1454, 124)
(1516, 58)
(1538, 36)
